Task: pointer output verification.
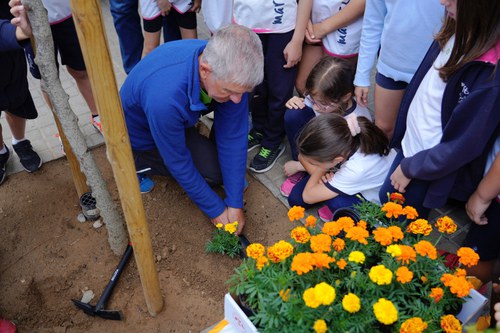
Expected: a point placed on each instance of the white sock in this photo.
(3, 150)
(15, 141)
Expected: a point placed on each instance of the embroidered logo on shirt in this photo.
(464, 93)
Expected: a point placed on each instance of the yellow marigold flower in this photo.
(404, 275)
(397, 198)
(450, 324)
(407, 254)
(311, 221)
(321, 243)
(446, 225)
(420, 227)
(331, 228)
(394, 250)
(413, 325)
(338, 244)
(302, 263)
(385, 311)
(341, 264)
(261, 262)
(325, 293)
(357, 257)
(296, 213)
(255, 250)
(358, 234)
(425, 248)
(219, 225)
(231, 227)
(346, 223)
(396, 232)
(380, 275)
(279, 251)
(322, 260)
(301, 235)
(285, 294)
(410, 212)
(392, 209)
(467, 256)
(383, 236)
(351, 303)
(436, 294)
(320, 326)
(309, 297)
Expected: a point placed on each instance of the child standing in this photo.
(353, 145)
(217, 13)
(281, 27)
(457, 92)
(328, 89)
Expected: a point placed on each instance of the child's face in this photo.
(320, 106)
(451, 8)
(326, 166)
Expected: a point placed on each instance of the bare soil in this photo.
(47, 257)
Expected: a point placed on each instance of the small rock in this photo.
(81, 218)
(164, 252)
(174, 248)
(97, 224)
(87, 296)
(158, 258)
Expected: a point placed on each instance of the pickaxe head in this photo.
(93, 311)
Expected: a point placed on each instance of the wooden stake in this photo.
(91, 33)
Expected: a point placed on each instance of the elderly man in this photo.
(164, 96)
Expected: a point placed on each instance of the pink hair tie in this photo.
(352, 123)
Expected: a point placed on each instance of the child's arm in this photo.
(196, 6)
(352, 11)
(487, 190)
(293, 50)
(292, 167)
(315, 190)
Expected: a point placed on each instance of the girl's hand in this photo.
(319, 31)
(165, 6)
(292, 167)
(327, 177)
(196, 6)
(295, 103)
(20, 20)
(361, 94)
(310, 37)
(475, 208)
(399, 181)
(292, 53)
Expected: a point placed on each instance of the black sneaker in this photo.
(266, 158)
(254, 139)
(28, 157)
(3, 164)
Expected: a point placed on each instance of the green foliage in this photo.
(224, 241)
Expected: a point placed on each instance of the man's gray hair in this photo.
(235, 55)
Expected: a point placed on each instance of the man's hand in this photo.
(165, 6)
(236, 214)
(399, 181)
(222, 218)
(20, 20)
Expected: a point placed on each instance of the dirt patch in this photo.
(47, 257)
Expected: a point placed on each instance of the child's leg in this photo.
(311, 55)
(83, 82)
(152, 33)
(294, 121)
(342, 201)
(187, 24)
(295, 196)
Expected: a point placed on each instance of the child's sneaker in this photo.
(290, 182)
(325, 214)
(146, 184)
(266, 158)
(254, 139)
(27, 156)
(3, 164)
(96, 122)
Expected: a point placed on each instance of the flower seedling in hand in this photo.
(224, 240)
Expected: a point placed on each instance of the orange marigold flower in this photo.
(419, 227)
(413, 325)
(424, 278)
(301, 235)
(285, 294)
(446, 279)
(255, 250)
(446, 225)
(410, 212)
(392, 209)
(397, 198)
(358, 234)
(450, 324)
(460, 286)
(396, 232)
(362, 224)
(296, 213)
(338, 244)
(322, 260)
(341, 264)
(332, 228)
(437, 294)
(321, 243)
(404, 275)
(407, 254)
(311, 221)
(279, 251)
(383, 236)
(467, 256)
(460, 272)
(302, 263)
(261, 262)
(425, 248)
(346, 223)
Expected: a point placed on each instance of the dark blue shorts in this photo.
(67, 44)
(388, 83)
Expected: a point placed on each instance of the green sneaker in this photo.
(266, 158)
(254, 139)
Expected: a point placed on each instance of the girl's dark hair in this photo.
(476, 29)
(331, 78)
(327, 136)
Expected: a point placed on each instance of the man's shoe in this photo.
(290, 182)
(27, 156)
(3, 164)
(146, 184)
(254, 139)
(96, 122)
(266, 158)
